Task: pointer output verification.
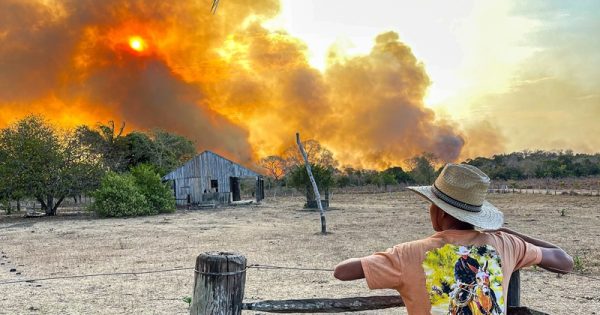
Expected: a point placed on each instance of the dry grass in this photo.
(277, 232)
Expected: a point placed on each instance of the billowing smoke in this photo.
(222, 80)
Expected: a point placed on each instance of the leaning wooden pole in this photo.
(219, 284)
(314, 184)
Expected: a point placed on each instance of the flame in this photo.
(223, 80)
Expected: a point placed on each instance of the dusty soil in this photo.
(277, 232)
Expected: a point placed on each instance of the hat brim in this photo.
(488, 218)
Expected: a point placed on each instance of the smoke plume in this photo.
(223, 80)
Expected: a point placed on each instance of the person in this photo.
(458, 205)
(466, 267)
(465, 273)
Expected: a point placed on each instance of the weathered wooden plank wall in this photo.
(194, 177)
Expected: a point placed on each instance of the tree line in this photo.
(42, 162)
(287, 169)
(539, 164)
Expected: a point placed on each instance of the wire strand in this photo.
(253, 266)
(259, 266)
(95, 275)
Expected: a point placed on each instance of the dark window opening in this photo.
(214, 184)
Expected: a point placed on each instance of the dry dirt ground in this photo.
(277, 232)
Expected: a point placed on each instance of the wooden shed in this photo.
(209, 177)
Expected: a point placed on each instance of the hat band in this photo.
(453, 202)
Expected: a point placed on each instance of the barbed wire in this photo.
(259, 266)
(95, 275)
(252, 266)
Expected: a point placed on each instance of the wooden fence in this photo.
(540, 190)
(220, 278)
(493, 189)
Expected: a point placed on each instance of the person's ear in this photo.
(442, 214)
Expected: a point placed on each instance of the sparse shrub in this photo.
(157, 194)
(188, 300)
(119, 196)
(5, 204)
(577, 263)
(563, 212)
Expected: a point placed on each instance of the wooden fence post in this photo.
(219, 284)
(514, 289)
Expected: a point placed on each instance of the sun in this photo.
(137, 43)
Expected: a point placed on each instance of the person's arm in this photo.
(382, 270)
(350, 269)
(554, 258)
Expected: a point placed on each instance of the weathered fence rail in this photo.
(220, 278)
(353, 304)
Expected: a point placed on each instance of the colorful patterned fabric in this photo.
(424, 271)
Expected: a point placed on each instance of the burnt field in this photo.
(277, 232)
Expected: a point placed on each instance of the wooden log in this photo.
(219, 284)
(314, 184)
(514, 289)
(354, 304)
(521, 310)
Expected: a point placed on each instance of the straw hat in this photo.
(460, 191)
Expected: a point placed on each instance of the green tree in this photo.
(41, 163)
(387, 179)
(139, 149)
(119, 196)
(423, 171)
(166, 151)
(399, 174)
(9, 188)
(82, 168)
(315, 152)
(159, 197)
(298, 178)
(106, 141)
(172, 150)
(342, 180)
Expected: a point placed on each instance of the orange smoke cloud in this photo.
(222, 80)
(367, 109)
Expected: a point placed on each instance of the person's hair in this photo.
(466, 226)
(462, 225)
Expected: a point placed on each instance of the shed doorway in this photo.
(234, 183)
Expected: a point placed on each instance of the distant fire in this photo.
(221, 79)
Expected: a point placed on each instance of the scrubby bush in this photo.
(157, 194)
(323, 175)
(119, 196)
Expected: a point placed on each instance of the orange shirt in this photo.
(430, 275)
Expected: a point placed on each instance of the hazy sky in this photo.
(529, 69)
